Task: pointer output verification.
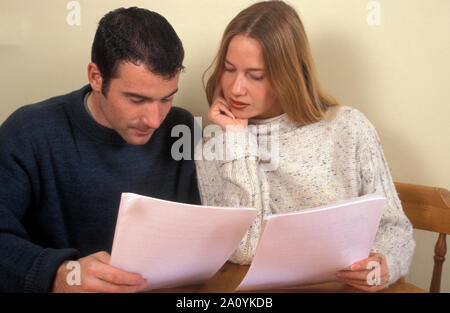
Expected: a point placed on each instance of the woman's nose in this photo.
(238, 86)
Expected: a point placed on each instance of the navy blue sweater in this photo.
(61, 178)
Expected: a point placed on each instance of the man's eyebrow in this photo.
(248, 69)
(135, 95)
(171, 94)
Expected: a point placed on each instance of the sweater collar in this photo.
(88, 125)
(263, 126)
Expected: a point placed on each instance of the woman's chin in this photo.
(241, 114)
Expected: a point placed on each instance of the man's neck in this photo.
(93, 106)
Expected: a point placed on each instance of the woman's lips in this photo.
(238, 105)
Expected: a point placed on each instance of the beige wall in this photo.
(397, 73)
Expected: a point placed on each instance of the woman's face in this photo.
(244, 83)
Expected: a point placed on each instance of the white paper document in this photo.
(311, 246)
(173, 244)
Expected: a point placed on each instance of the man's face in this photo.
(136, 103)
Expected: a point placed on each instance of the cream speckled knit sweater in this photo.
(321, 163)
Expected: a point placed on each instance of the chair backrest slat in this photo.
(428, 208)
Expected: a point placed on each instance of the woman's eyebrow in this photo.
(248, 69)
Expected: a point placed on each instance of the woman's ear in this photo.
(95, 77)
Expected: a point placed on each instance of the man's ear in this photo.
(95, 77)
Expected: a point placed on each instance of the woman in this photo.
(264, 75)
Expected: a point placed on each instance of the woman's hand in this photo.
(358, 274)
(221, 115)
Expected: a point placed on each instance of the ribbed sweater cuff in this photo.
(239, 144)
(394, 271)
(42, 273)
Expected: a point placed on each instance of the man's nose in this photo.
(238, 88)
(150, 117)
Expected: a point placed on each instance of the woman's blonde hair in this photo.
(289, 65)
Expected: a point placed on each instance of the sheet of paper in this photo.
(310, 246)
(173, 244)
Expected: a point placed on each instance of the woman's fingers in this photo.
(221, 115)
(358, 275)
(363, 282)
(222, 108)
(370, 274)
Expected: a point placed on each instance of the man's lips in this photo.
(238, 105)
(143, 131)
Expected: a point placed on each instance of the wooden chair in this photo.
(428, 208)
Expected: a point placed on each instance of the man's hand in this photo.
(357, 275)
(98, 276)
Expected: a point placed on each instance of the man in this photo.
(64, 162)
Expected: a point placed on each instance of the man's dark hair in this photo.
(139, 36)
